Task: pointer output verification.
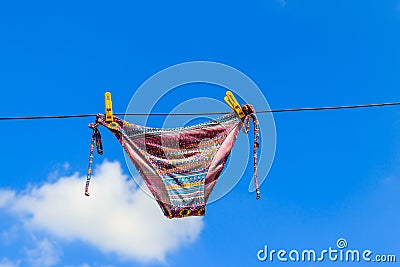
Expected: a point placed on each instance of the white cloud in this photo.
(117, 217)
(58, 170)
(5, 262)
(43, 255)
(5, 197)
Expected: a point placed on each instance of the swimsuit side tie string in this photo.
(96, 139)
(250, 114)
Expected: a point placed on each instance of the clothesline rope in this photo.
(202, 113)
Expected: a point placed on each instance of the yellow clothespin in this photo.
(108, 104)
(232, 102)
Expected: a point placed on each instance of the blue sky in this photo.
(335, 175)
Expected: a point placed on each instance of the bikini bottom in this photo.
(180, 166)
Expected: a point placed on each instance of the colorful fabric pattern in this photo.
(180, 166)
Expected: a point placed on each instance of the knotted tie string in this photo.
(96, 139)
(250, 114)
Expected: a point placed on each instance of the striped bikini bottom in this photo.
(180, 166)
